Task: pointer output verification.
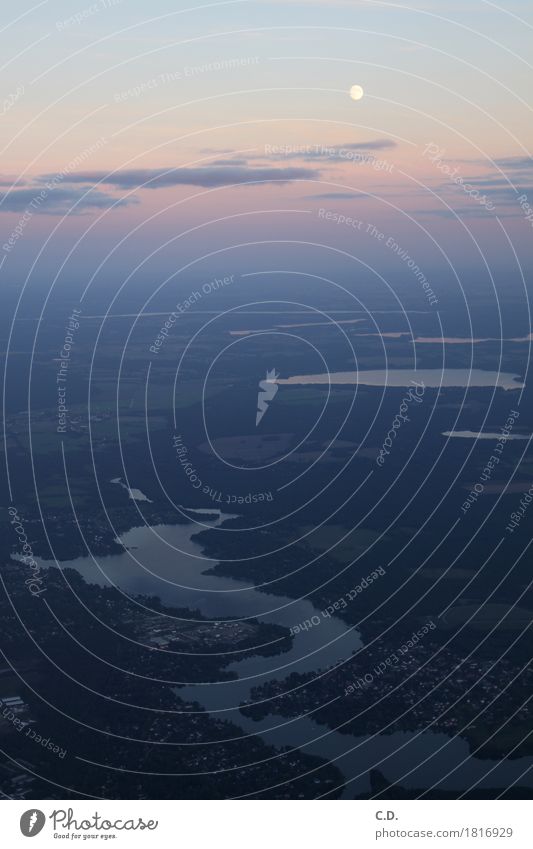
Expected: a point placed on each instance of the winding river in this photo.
(177, 574)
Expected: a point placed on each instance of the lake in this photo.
(165, 560)
(398, 378)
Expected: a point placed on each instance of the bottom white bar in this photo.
(268, 824)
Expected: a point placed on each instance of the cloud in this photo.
(307, 152)
(339, 196)
(495, 188)
(501, 189)
(39, 200)
(229, 162)
(507, 194)
(465, 212)
(208, 176)
(376, 144)
(7, 181)
(504, 187)
(484, 182)
(353, 151)
(43, 199)
(521, 163)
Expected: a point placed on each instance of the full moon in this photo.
(356, 92)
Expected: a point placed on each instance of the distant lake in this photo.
(460, 340)
(471, 434)
(135, 494)
(394, 378)
(303, 324)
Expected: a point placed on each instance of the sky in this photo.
(143, 138)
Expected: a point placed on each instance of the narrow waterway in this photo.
(166, 561)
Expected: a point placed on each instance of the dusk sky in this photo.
(156, 125)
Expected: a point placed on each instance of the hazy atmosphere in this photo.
(267, 413)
